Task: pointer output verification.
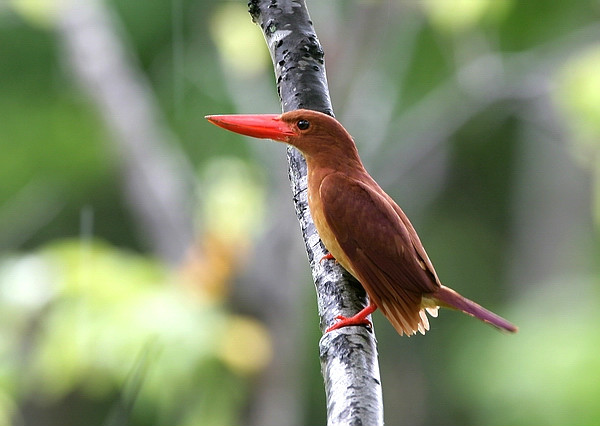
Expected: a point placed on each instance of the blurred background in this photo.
(152, 271)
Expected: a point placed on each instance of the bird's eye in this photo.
(303, 124)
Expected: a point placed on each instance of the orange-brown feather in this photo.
(363, 231)
(361, 226)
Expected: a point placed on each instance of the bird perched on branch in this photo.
(361, 226)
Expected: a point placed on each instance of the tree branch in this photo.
(158, 179)
(349, 355)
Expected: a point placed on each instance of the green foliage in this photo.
(110, 325)
(546, 375)
(579, 95)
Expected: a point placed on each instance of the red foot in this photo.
(358, 319)
(328, 256)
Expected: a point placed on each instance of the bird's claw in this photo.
(328, 256)
(349, 321)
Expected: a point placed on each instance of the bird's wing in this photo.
(415, 241)
(382, 247)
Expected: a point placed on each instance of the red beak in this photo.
(264, 126)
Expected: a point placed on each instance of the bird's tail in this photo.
(449, 298)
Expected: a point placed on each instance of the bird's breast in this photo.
(327, 236)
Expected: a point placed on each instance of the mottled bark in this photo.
(349, 355)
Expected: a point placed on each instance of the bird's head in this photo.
(315, 134)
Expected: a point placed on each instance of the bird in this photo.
(361, 226)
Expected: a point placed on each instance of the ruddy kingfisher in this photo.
(361, 226)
